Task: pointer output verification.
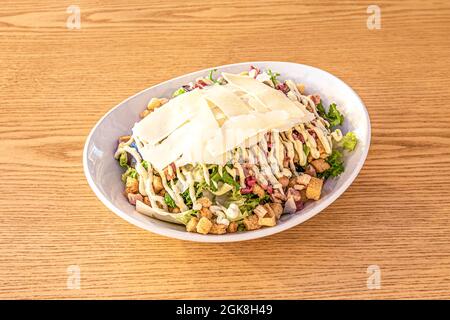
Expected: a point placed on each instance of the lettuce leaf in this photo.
(336, 163)
(334, 117)
(184, 217)
(349, 141)
(169, 201)
(178, 92)
(123, 160)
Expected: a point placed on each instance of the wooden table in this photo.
(56, 83)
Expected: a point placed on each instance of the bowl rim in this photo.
(233, 237)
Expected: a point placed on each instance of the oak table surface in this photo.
(56, 83)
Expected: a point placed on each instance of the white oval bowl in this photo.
(104, 173)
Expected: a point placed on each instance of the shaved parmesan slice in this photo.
(164, 120)
(237, 130)
(254, 103)
(269, 97)
(170, 149)
(204, 126)
(224, 98)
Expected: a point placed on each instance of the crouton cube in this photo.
(204, 225)
(232, 227)
(157, 184)
(259, 191)
(192, 225)
(217, 228)
(277, 208)
(163, 101)
(131, 185)
(314, 188)
(320, 165)
(267, 221)
(174, 210)
(205, 212)
(260, 211)
(269, 210)
(303, 196)
(303, 179)
(124, 139)
(204, 202)
(144, 113)
(251, 222)
(300, 88)
(154, 103)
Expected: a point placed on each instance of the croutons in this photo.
(269, 210)
(174, 210)
(204, 202)
(217, 228)
(192, 225)
(232, 227)
(284, 181)
(260, 211)
(154, 103)
(131, 185)
(144, 113)
(301, 179)
(303, 196)
(314, 188)
(157, 184)
(277, 209)
(124, 139)
(204, 225)
(147, 201)
(205, 212)
(300, 88)
(259, 191)
(251, 222)
(267, 221)
(320, 165)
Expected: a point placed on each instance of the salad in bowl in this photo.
(232, 152)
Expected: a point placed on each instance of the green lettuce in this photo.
(169, 201)
(123, 160)
(184, 217)
(334, 117)
(273, 76)
(131, 172)
(349, 141)
(178, 92)
(336, 163)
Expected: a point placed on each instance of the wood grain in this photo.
(56, 83)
